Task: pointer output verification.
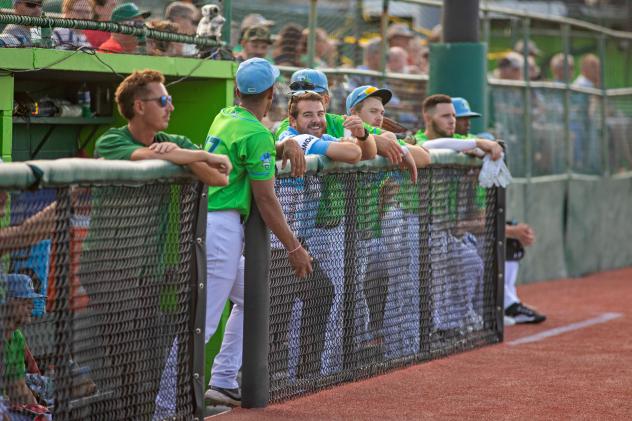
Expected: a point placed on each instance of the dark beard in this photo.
(439, 132)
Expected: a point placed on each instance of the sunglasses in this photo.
(162, 100)
(31, 4)
(305, 86)
(303, 92)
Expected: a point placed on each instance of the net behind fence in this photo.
(402, 273)
(110, 329)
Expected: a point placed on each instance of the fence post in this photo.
(255, 370)
(605, 138)
(227, 11)
(199, 285)
(501, 216)
(350, 239)
(62, 315)
(311, 39)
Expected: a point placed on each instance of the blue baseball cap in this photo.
(361, 93)
(309, 80)
(255, 75)
(462, 108)
(20, 286)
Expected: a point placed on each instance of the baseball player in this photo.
(238, 133)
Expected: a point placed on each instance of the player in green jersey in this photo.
(237, 132)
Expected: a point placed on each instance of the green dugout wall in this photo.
(200, 89)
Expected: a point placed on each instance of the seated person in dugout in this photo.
(515, 311)
(454, 309)
(311, 300)
(385, 142)
(144, 101)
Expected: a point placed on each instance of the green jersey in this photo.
(120, 144)
(335, 126)
(238, 134)
(14, 366)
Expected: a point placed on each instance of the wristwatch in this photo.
(366, 135)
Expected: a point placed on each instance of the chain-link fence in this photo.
(99, 282)
(403, 273)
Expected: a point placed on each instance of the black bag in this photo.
(515, 250)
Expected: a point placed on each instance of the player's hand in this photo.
(293, 152)
(354, 124)
(389, 149)
(301, 262)
(409, 163)
(220, 162)
(163, 147)
(490, 147)
(523, 233)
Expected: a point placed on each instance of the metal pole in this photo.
(486, 37)
(357, 32)
(605, 138)
(199, 285)
(384, 44)
(311, 39)
(460, 21)
(567, 100)
(527, 101)
(501, 214)
(255, 371)
(227, 11)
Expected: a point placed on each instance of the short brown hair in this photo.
(134, 86)
(306, 96)
(67, 5)
(432, 101)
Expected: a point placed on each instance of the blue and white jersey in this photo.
(311, 145)
(301, 199)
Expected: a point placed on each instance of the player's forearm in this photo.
(36, 228)
(420, 155)
(272, 215)
(177, 156)
(344, 152)
(368, 148)
(208, 175)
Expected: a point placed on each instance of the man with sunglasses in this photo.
(18, 35)
(125, 14)
(237, 132)
(144, 101)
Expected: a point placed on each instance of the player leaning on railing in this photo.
(237, 132)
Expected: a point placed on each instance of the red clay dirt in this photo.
(584, 374)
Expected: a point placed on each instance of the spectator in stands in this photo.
(237, 132)
(18, 35)
(163, 48)
(102, 11)
(510, 67)
(286, 50)
(397, 60)
(186, 16)
(590, 72)
(399, 35)
(514, 310)
(253, 19)
(127, 14)
(372, 53)
(255, 42)
(557, 68)
(324, 49)
(71, 39)
(418, 56)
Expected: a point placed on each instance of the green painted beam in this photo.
(38, 58)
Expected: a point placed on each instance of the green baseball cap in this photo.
(127, 11)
